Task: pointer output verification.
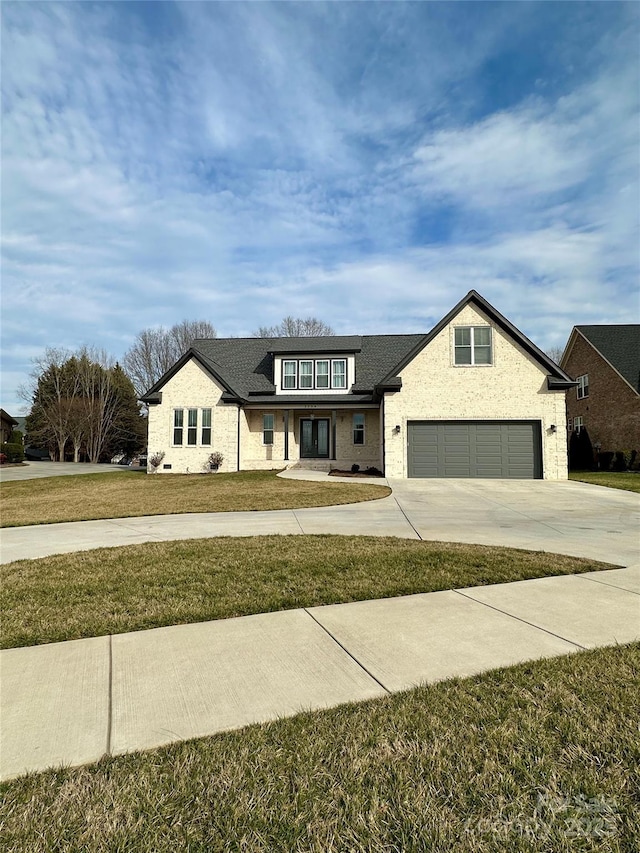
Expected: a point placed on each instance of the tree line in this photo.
(86, 405)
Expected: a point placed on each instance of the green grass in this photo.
(627, 480)
(514, 760)
(128, 494)
(112, 590)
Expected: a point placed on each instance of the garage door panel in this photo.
(466, 449)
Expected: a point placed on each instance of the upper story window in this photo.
(314, 374)
(583, 386)
(472, 345)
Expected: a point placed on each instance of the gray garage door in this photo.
(503, 449)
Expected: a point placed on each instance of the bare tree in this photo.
(154, 351)
(555, 354)
(295, 327)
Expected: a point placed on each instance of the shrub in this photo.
(355, 468)
(620, 462)
(215, 460)
(633, 460)
(605, 458)
(13, 452)
(156, 459)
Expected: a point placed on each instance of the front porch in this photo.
(318, 439)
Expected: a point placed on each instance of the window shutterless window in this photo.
(322, 374)
(358, 429)
(178, 423)
(583, 386)
(206, 427)
(339, 373)
(578, 423)
(306, 374)
(472, 345)
(192, 428)
(289, 374)
(267, 429)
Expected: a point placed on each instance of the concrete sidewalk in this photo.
(70, 703)
(561, 517)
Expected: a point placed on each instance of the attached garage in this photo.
(491, 449)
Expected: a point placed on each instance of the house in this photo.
(605, 362)
(7, 425)
(472, 398)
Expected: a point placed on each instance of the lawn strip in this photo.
(114, 590)
(540, 756)
(629, 481)
(133, 494)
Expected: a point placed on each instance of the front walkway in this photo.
(70, 703)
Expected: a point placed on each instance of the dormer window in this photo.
(339, 379)
(307, 374)
(289, 374)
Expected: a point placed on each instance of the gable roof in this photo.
(244, 366)
(619, 345)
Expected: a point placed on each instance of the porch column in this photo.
(333, 434)
(286, 435)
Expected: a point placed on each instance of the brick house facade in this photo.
(606, 362)
(471, 398)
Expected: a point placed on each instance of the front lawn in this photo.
(112, 590)
(133, 493)
(544, 756)
(627, 480)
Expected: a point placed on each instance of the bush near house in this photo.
(13, 451)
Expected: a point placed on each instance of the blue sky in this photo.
(366, 163)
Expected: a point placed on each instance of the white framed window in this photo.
(192, 427)
(289, 374)
(178, 425)
(322, 374)
(578, 423)
(583, 386)
(472, 345)
(570, 424)
(306, 374)
(358, 429)
(205, 435)
(339, 373)
(267, 428)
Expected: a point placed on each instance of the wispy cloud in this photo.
(367, 163)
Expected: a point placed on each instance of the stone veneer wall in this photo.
(514, 387)
(611, 412)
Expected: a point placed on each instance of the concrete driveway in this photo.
(34, 470)
(561, 517)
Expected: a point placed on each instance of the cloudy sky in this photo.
(366, 163)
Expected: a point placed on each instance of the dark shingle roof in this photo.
(620, 345)
(245, 365)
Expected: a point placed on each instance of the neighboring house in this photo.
(7, 425)
(472, 398)
(605, 362)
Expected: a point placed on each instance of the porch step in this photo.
(311, 465)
